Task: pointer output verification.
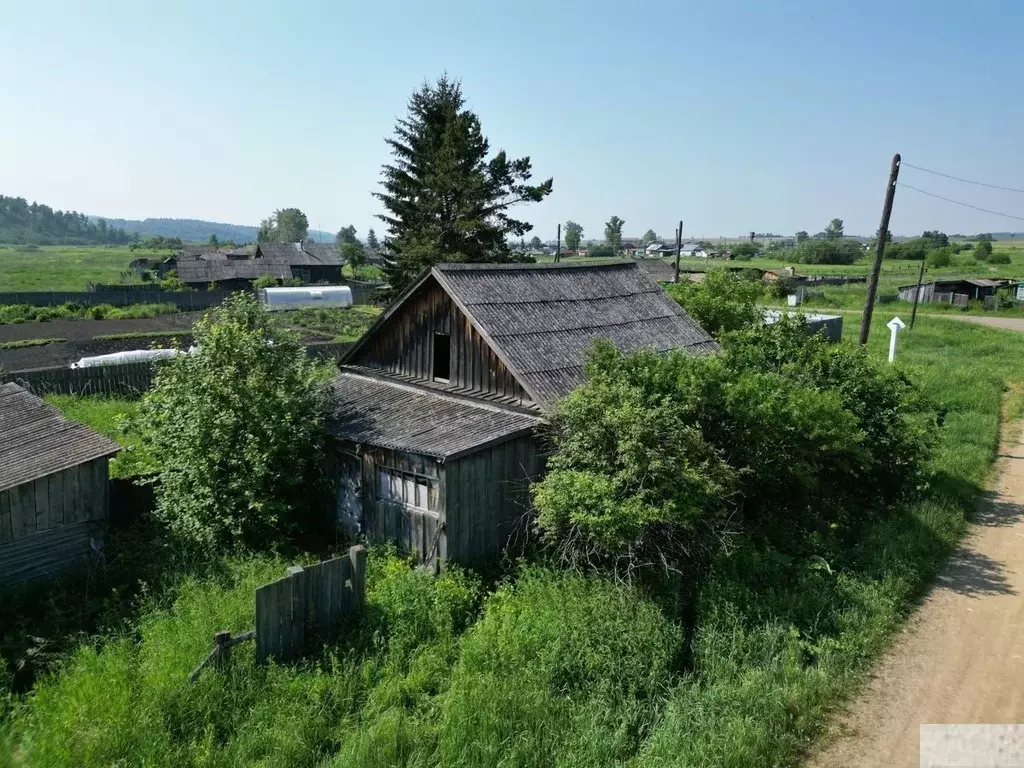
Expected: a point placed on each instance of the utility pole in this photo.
(883, 230)
(679, 247)
(917, 295)
(558, 245)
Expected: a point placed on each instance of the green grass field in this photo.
(546, 669)
(104, 414)
(65, 268)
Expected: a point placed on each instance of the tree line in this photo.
(22, 222)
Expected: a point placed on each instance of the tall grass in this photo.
(106, 415)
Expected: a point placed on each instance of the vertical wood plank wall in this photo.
(488, 499)
(46, 524)
(404, 345)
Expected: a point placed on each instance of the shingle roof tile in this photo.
(406, 418)
(36, 440)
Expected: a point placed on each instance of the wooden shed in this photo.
(54, 487)
(439, 402)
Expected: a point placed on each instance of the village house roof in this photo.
(659, 269)
(206, 270)
(403, 417)
(38, 441)
(300, 254)
(542, 319)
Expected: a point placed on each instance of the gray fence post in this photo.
(357, 555)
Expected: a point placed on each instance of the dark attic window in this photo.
(442, 357)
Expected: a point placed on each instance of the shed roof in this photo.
(36, 440)
(659, 269)
(542, 319)
(407, 418)
(202, 270)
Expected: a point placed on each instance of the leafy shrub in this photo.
(827, 251)
(651, 454)
(11, 314)
(265, 281)
(561, 670)
(983, 251)
(745, 251)
(722, 302)
(940, 257)
(999, 257)
(234, 431)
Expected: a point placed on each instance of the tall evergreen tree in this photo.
(445, 200)
(371, 240)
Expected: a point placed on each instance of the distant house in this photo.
(952, 291)
(439, 403)
(659, 249)
(693, 251)
(226, 273)
(54, 488)
(309, 262)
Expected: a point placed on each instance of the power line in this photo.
(957, 202)
(965, 181)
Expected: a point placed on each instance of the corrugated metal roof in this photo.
(544, 318)
(406, 418)
(36, 440)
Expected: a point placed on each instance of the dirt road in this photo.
(961, 659)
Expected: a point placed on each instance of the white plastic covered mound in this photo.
(336, 296)
(130, 356)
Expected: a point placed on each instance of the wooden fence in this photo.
(124, 379)
(308, 605)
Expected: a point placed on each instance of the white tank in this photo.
(336, 296)
(131, 356)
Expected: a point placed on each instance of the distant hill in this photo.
(197, 230)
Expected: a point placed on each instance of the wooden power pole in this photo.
(679, 247)
(558, 245)
(917, 295)
(883, 231)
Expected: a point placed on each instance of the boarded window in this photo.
(403, 488)
(442, 357)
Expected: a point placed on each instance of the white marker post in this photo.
(895, 326)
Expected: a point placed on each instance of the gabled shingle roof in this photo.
(406, 418)
(36, 440)
(300, 254)
(201, 270)
(542, 319)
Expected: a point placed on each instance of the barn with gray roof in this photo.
(439, 403)
(54, 487)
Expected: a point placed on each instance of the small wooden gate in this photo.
(310, 604)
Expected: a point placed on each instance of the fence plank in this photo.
(357, 556)
(296, 631)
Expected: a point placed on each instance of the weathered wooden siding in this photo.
(487, 498)
(405, 346)
(46, 524)
(412, 530)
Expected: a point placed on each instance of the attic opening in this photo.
(442, 357)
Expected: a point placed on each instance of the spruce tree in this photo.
(445, 200)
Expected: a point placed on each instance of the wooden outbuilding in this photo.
(54, 487)
(439, 403)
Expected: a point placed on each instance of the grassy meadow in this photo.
(538, 668)
(65, 267)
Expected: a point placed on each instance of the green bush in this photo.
(999, 257)
(11, 314)
(652, 453)
(265, 281)
(827, 251)
(234, 432)
(721, 302)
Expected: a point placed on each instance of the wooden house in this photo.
(955, 291)
(438, 405)
(54, 488)
(310, 262)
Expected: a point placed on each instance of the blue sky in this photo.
(733, 116)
